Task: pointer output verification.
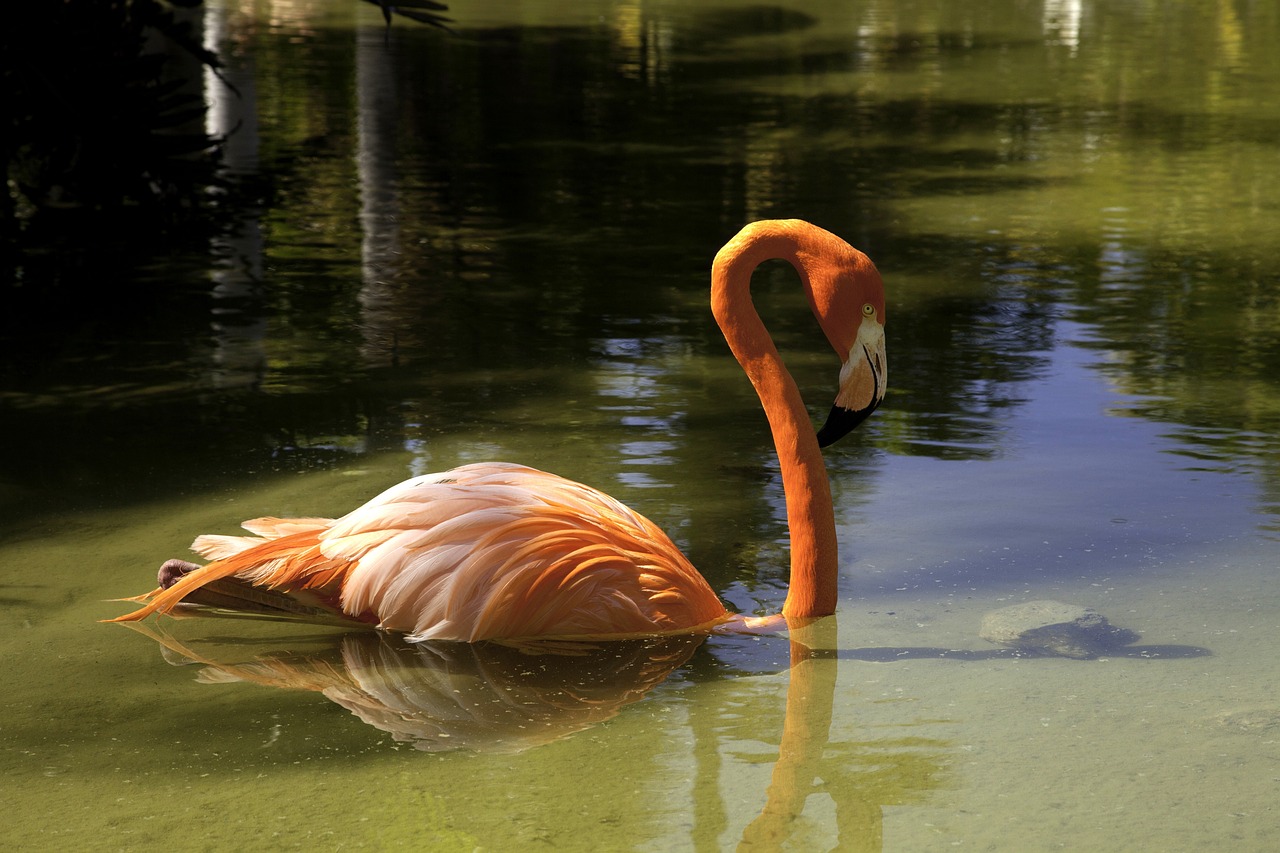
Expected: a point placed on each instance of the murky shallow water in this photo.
(496, 246)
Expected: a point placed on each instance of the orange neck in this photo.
(810, 517)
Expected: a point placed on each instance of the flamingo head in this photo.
(848, 299)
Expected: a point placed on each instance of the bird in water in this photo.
(496, 551)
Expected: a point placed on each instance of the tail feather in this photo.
(270, 527)
(213, 546)
(273, 575)
(216, 547)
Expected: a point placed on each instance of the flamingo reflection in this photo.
(489, 697)
(859, 777)
(441, 696)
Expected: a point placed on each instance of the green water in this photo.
(495, 245)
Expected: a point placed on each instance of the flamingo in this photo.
(496, 551)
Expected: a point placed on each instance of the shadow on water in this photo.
(905, 653)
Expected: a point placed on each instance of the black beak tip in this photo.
(841, 422)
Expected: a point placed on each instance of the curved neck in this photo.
(810, 517)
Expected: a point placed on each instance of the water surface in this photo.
(495, 245)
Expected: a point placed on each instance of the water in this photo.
(495, 245)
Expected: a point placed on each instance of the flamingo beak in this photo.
(863, 380)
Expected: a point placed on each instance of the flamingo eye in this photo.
(868, 310)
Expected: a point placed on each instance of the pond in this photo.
(494, 244)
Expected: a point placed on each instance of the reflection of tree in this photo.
(1197, 348)
(544, 206)
(522, 226)
(103, 113)
(423, 11)
(968, 358)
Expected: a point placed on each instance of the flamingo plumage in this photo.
(495, 551)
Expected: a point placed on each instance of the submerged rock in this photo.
(1053, 628)
(1249, 719)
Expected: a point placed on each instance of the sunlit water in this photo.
(495, 245)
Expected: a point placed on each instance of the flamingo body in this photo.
(484, 551)
(501, 551)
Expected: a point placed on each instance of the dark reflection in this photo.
(552, 202)
(485, 697)
(955, 397)
(423, 11)
(527, 250)
(122, 147)
(1194, 338)
(448, 224)
(706, 27)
